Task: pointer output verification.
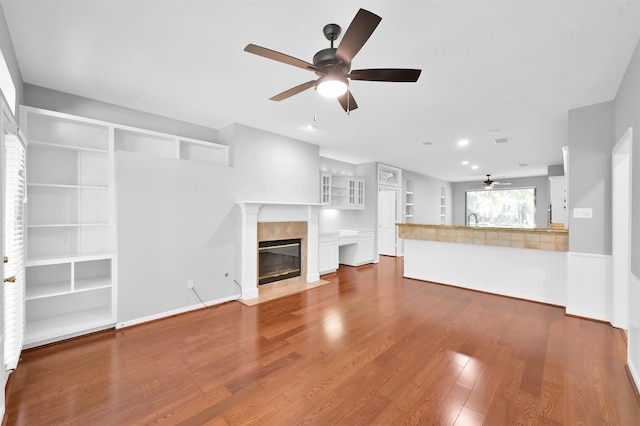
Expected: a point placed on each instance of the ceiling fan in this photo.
(333, 65)
(489, 184)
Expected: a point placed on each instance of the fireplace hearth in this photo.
(279, 260)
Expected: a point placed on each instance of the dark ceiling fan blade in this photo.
(293, 91)
(386, 74)
(359, 31)
(280, 57)
(347, 101)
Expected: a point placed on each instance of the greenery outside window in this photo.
(507, 208)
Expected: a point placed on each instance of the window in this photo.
(509, 208)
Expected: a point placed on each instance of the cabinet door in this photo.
(325, 188)
(362, 249)
(360, 193)
(369, 244)
(352, 197)
(323, 256)
(333, 254)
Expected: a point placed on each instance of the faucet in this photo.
(469, 219)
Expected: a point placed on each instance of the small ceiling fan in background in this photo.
(490, 184)
(333, 65)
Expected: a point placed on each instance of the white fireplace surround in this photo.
(263, 211)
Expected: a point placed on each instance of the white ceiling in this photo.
(515, 66)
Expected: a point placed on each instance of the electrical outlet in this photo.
(189, 283)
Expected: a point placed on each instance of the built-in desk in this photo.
(353, 247)
(524, 263)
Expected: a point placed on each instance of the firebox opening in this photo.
(278, 260)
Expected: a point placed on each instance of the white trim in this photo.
(633, 341)
(161, 315)
(621, 195)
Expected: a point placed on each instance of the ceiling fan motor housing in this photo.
(325, 61)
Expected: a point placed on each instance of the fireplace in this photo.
(279, 260)
(271, 221)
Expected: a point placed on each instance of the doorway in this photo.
(621, 228)
(387, 218)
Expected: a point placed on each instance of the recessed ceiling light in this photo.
(524, 165)
(427, 143)
(474, 167)
(465, 162)
(463, 142)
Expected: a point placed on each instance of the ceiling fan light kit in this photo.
(333, 65)
(332, 86)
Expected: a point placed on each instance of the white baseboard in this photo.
(589, 285)
(160, 315)
(633, 337)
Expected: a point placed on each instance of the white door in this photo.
(387, 222)
(621, 229)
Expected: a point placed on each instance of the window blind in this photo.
(14, 198)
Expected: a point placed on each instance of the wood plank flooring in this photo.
(369, 348)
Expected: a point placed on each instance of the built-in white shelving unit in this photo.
(408, 202)
(71, 251)
(71, 265)
(169, 146)
(443, 205)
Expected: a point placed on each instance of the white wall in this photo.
(541, 183)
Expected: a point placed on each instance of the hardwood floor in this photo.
(369, 348)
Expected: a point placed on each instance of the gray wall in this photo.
(41, 97)
(591, 138)
(541, 183)
(627, 114)
(176, 221)
(271, 167)
(426, 197)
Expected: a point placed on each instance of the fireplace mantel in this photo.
(268, 211)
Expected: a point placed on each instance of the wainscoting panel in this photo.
(589, 285)
(538, 275)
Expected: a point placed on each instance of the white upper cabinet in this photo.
(342, 191)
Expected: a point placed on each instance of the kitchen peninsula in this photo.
(523, 263)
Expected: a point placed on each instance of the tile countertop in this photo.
(531, 238)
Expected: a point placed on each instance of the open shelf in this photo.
(66, 325)
(53, 185)
(67, 258)
(51, 145)
(54, 288)
(70, 226)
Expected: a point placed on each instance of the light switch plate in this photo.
(583, 213)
